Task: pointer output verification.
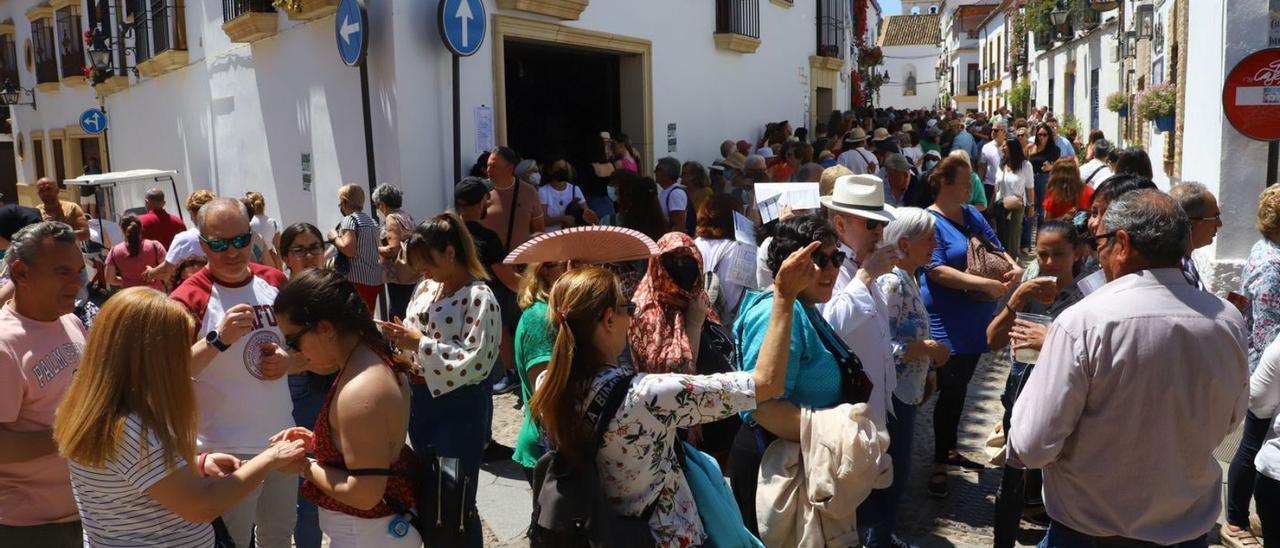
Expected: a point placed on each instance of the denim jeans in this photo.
(953, 386)
(1042, 182)
(1242, 475)
(1060, 537)
(308, 391)
(455, 424)
(877, 515)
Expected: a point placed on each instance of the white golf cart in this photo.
(110, 191)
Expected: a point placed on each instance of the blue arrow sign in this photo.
(351, 27)
(462, 25)
(93, 121)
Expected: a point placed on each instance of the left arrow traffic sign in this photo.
(351, 26)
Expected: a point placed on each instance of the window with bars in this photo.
(70, 41)
(738, 17)
(44, 50)
(159, 26)
(831, 18)
(232, 9)
(9, 60)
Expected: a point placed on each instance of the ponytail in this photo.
(576, 305)
(132, 228)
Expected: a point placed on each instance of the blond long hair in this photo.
(137, 361)
(533, 286)
(577, 302)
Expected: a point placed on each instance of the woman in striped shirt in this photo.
(127, 427)
(357, 239)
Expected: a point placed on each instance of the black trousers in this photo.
(744, 469)
(953, 386)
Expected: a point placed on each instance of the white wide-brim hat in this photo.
(861, 195)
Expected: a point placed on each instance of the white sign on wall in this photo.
(484, 128)
(306, 172)
(671, 138)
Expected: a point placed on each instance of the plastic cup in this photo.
(1029, 355)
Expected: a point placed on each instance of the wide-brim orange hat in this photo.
(585, 244)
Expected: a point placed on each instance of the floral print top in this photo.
(908, 323)
(637, 457)
(460, 334)
(1260, 282)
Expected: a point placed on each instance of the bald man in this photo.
(53, 209)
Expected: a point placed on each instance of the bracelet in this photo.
(1010, 308)
(200, 464)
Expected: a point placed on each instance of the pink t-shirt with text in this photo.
(37, 360)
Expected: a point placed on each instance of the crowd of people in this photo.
(752, 383)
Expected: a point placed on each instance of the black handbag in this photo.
(443, 516)
(717, 353)
(855, 385)
(221, 536)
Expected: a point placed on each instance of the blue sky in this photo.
(890, 7)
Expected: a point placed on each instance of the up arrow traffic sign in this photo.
(351, 25)
(464, 13)
(462, 25)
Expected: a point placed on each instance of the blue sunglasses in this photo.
(218, 246)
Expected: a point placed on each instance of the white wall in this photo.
(1091, 51)
(923, 60)
(240, 115)
(1231, 165)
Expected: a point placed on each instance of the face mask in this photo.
(613, 193)
(535, 179)
(562, 175)
(682, 269)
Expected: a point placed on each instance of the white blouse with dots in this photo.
(460, 334)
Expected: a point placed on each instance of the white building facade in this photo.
(237, 95)
(960, 70)
(1074, 79)
(993, 50)
(911, 48)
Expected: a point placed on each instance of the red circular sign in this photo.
(1251, 95)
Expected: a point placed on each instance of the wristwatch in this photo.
(214, 340)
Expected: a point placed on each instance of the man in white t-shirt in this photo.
(857, 157)
(674, 197)
(1095, 171)
(41, 342)
(991, 154)
(238, 365)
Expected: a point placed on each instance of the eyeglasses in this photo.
(218, 246)
(836, 258)
(1212, 219)
(1097, 239)
(629, 306)
(873, 224)
(313, 249)
(294, 342)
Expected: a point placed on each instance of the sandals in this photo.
(937, 486)
(1238, 538)
(956, 459)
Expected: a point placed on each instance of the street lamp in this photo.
(1059, 16)
(1131, 44)
(1146, 20)
(11, 95)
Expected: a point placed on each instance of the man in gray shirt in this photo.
(1134, 388)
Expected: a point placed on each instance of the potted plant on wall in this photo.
(1118, 103)
(1157, 104)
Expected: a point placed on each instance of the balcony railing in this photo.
(71, 40)
(232, 9)
(8, 60)
(831, 16)
(45, 51)
(740, 17)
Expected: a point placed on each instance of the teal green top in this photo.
(978, 194)
(813, 377)
(534, 341)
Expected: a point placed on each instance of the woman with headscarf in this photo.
(671, 306)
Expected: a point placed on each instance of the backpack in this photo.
(570, 508)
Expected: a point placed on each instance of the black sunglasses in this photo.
(1213, 219)
(873, 224)
(294, 342)
(1096, 239)
(219, 245)
(836, 258)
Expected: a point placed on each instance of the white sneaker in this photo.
(897, 542)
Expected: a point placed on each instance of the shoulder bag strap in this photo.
(511, 221)
(1092, 175)
(606, 402)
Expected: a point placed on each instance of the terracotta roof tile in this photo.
(911, 30)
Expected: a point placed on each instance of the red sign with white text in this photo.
(1251, 95)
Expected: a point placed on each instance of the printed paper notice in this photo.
(771, 197)
(484, 128)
